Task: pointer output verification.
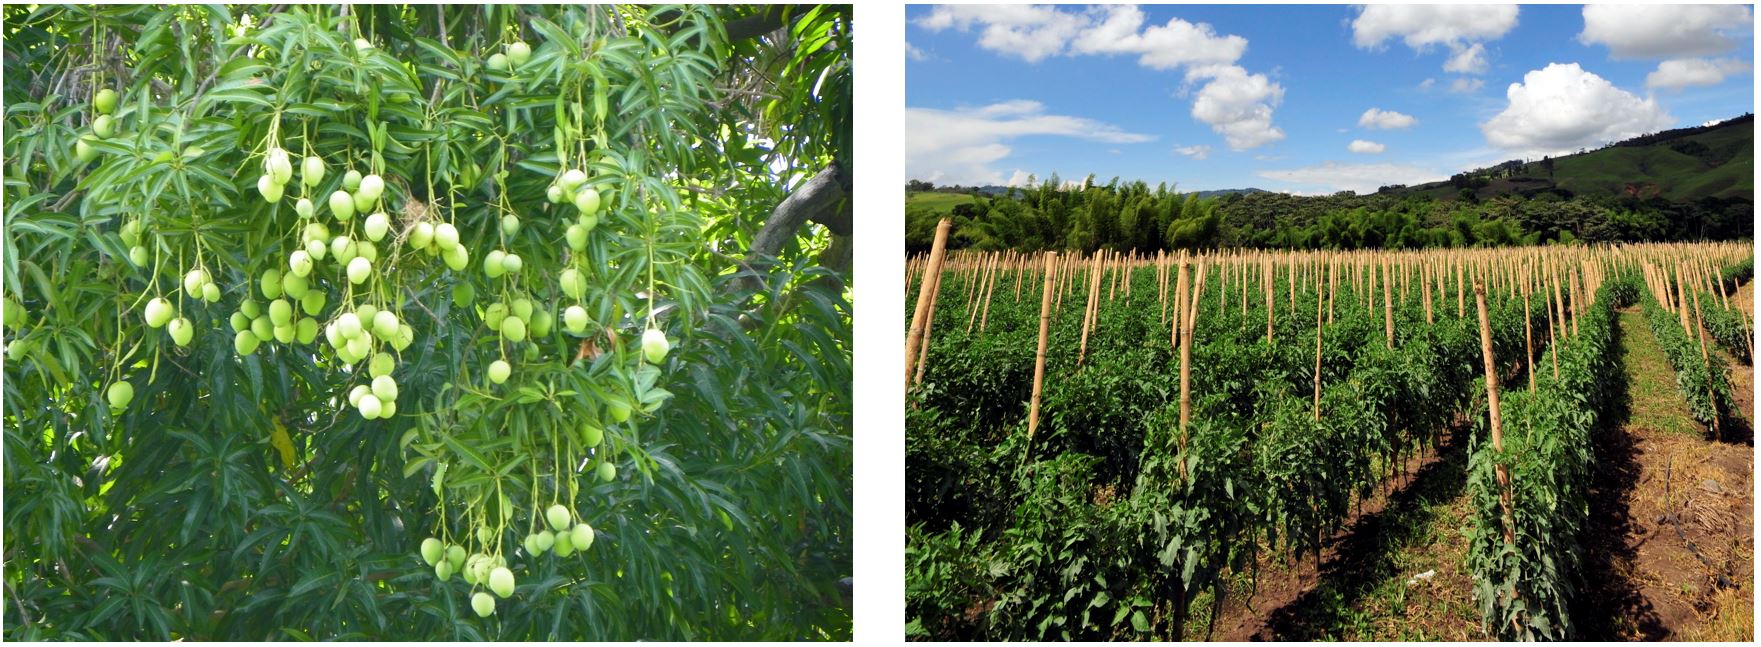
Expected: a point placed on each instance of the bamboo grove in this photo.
(1096, 444)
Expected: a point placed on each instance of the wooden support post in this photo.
(917, 338)
(1497, 422)
(1179, 308)
(1180, 304)
(986, 315)
(1266, 280)
(1706, 358)
(1039, 356)
(1317, 355)
(1528, 333)
(1387, 306)
(1091, 307)
(1460, 301)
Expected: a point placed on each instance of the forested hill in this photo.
(1686, 184)
(1682, 165)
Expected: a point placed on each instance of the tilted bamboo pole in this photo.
(1088, 311)
(1039, 356)
(915, 339)
(1497, 423)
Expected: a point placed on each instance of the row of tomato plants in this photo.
(1525, 586)
(1105, 517)
(1728, 325)
(1701, 379)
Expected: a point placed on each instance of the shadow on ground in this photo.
(1611, 607)
(1364, 557)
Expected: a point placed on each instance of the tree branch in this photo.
(825, 199)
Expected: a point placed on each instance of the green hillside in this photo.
(1679, 166)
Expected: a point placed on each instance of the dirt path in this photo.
(1363, 590)
(1671, 516)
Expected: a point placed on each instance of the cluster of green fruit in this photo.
(103, 126)
(253, 324)
(514, 320)
(161, 313)
(565, 536)
(516, 54)
(278, 171)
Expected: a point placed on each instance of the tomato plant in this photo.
(311, 308)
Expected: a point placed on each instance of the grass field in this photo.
(936, 201)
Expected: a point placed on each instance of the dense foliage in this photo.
(1108, 525)
(505, 305)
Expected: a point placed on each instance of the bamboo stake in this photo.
(1317, 354)
(1020, 270)
(1039, 356)
(1266, 279)
(1681, 292)
(972, 301)
(985, 317)
(1528, 335)
(1088, 310)
(919, 317)
(1552, 327)
(1491, 364)
(1460, 301)
(1180, 306)
(1290, 277)
(1332, 286)
(1179, 310)
(1706, 357)
(1387, 306)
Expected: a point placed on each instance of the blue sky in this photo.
(1307, 99)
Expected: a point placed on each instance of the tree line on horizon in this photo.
(1053, 215)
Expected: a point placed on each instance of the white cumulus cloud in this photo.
(1464, 85)
(1362, 178)
(912, 53)
(1365, 146)
(1463, 29)
(1467, 60)
(1031, 32)
(1679, 73)
(1116, 30)
(1237, 105)
(1665, 30)
(1385, 119)
(962, 145)
(1562, 107)
(1197, 152)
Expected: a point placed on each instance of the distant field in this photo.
(935, 202)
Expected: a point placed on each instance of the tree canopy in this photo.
(290, 289)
